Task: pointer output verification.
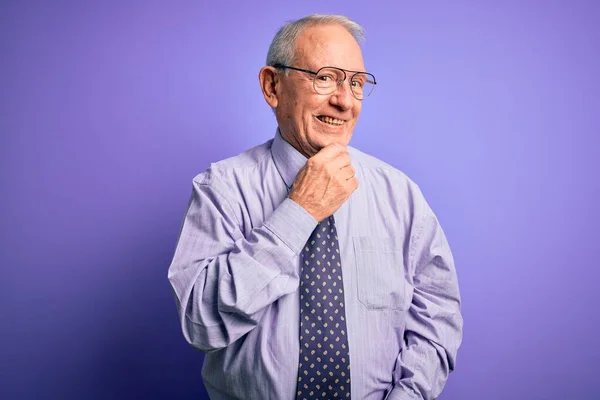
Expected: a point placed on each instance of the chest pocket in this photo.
(380, 273)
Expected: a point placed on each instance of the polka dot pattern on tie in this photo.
(324, 363)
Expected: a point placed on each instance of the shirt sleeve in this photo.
(434, 322)
(223, 282)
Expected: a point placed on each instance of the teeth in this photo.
(332, 121)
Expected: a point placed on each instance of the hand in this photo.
(325, 182)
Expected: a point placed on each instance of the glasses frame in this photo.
(339, 83)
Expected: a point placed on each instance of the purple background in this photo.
(108, 110)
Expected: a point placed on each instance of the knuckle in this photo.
(340, 149)
(312, 162)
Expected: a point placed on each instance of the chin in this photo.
(327, 139)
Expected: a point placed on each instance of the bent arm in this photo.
(223, 282)
(434, 323)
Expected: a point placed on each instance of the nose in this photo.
(343, 97)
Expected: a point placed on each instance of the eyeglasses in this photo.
(327, 79)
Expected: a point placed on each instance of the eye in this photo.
(325, 78)
(358, 83)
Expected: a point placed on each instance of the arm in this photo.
(434, 322)
(223, 281)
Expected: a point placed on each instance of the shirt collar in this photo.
(288, 160)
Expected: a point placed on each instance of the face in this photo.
(310, 121)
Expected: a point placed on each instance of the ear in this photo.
(269, 84)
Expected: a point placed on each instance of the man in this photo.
(306, 269)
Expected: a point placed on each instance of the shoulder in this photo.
(382, 180)
(378, 171)
(225, 173)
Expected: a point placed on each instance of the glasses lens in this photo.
(327, 79)
(362, 85)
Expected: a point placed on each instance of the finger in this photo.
(348, 172)
(331, 151)
(340, 162)
(354, 182)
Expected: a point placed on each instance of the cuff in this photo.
(398, 393)
(292, 224)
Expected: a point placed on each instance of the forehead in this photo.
(328, 45)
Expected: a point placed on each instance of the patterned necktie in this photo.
(324, 365)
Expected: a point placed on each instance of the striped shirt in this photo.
(235, 279)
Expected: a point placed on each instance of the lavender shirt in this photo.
(235, 278)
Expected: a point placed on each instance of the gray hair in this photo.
(282, 48)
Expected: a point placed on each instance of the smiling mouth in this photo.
(330, 120)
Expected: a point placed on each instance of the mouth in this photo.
(330, 120)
